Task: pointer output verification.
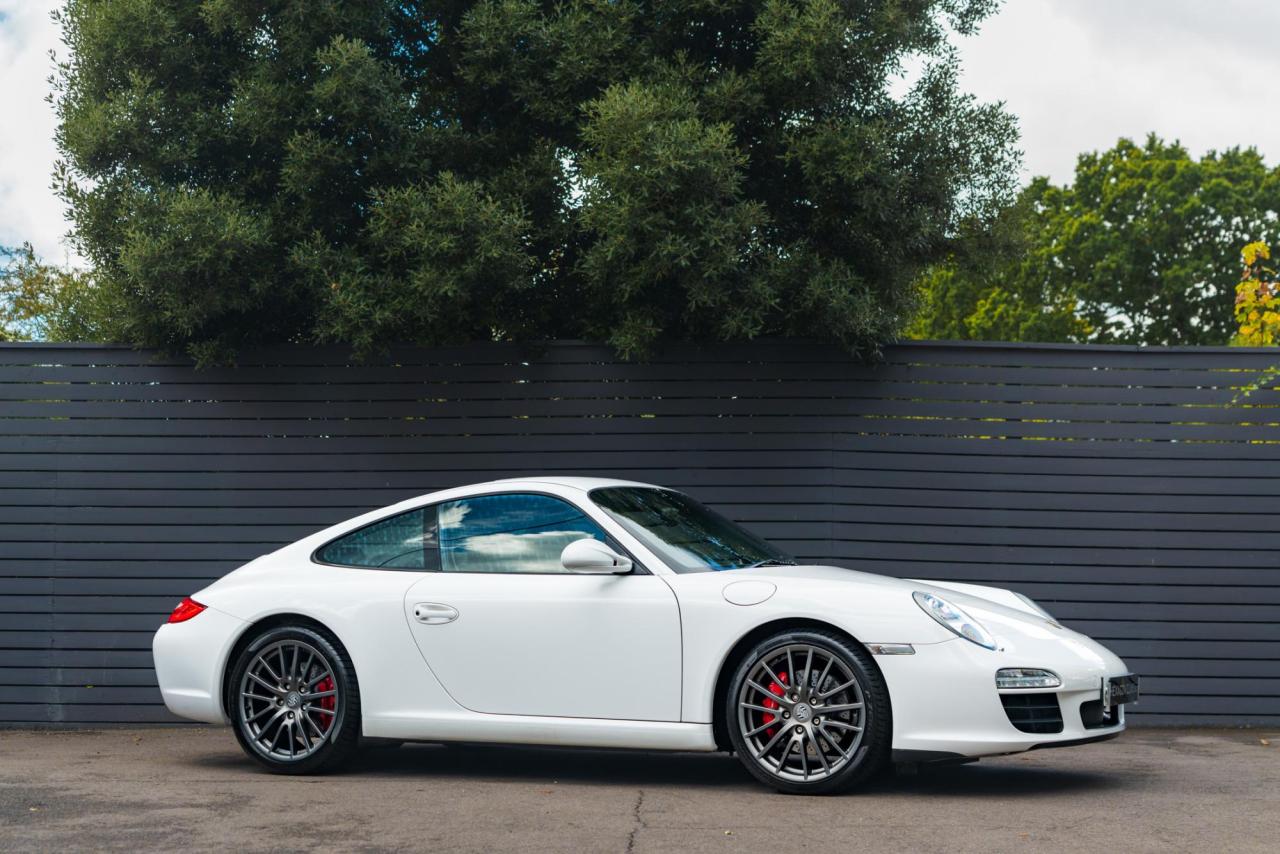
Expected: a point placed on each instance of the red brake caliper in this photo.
(330, 703)
(770, 703)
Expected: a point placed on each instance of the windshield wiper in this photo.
(769, 562)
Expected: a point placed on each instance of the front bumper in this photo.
(190, 658)
(945, 701)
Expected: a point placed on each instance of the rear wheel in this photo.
(295, 701)
(808, 713)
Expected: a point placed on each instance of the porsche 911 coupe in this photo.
(605, 613)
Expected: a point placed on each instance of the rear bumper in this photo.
(190, 658)
(945, 701)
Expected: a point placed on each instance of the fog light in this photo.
(1026, 677)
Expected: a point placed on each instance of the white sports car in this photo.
(605, 613)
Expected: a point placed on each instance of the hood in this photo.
(815, 572)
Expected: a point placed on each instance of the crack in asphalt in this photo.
(639, 820)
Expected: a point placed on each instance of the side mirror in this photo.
(592, 557)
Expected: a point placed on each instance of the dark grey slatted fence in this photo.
(1131, 491)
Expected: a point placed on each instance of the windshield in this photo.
(687, 536)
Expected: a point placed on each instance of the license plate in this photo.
(1119, 690)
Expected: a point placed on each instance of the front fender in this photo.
(712, 626)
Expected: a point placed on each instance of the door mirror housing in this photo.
(592, 557)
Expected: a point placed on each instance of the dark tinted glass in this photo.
(510, 533)
(686, 535)
(405, 541)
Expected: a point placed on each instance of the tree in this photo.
(43, 302)
(1151, 237)
(1257, 303)
(1144, 242)
(369, 171)
(1257, 313)
(997, 283)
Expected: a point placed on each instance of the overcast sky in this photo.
(1077, 73)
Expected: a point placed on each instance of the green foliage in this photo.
(675, 241)
(997, 284)
(373, 171)
(1145, 242)
(196, 260)
(45, 303)
(440, 263)
(1152, 238)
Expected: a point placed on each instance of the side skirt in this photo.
(527, 729)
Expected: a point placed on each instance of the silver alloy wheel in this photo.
(802, 712)
(289, 700)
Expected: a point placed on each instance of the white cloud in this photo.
(29, 209)
(1079, 74)
(538, 551)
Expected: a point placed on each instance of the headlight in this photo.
(1030, 603)
(954, 619)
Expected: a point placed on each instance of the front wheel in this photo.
(295, 702)
(808, 713)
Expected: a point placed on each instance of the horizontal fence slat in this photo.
(88, 677)
(80, 694)
(72, 519)
(1070, 532)
(1015, 574)
(640, 424)
(710, 461)
(734, 500)
(851, 479)
(514, 391)
(1129, 629)
(84, 714)
(84, 657)
(1055, 556)
(1202, 668)
(141, 415)
(957, 446)
(96, 622)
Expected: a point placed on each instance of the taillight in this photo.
(186, 609)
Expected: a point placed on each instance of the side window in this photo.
(405, 541)
(510, 533)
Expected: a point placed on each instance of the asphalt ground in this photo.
(192, 789)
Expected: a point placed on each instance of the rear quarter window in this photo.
(404, 541)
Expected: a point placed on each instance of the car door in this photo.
(507, 630)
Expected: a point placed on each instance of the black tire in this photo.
(327, 748)
(841, 757)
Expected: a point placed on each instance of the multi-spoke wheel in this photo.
(295, 701)
(808, 712)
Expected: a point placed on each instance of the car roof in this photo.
(571, 481)
(531, 482)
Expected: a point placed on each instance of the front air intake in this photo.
(1036, 712)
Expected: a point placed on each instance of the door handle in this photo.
(434, 613)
